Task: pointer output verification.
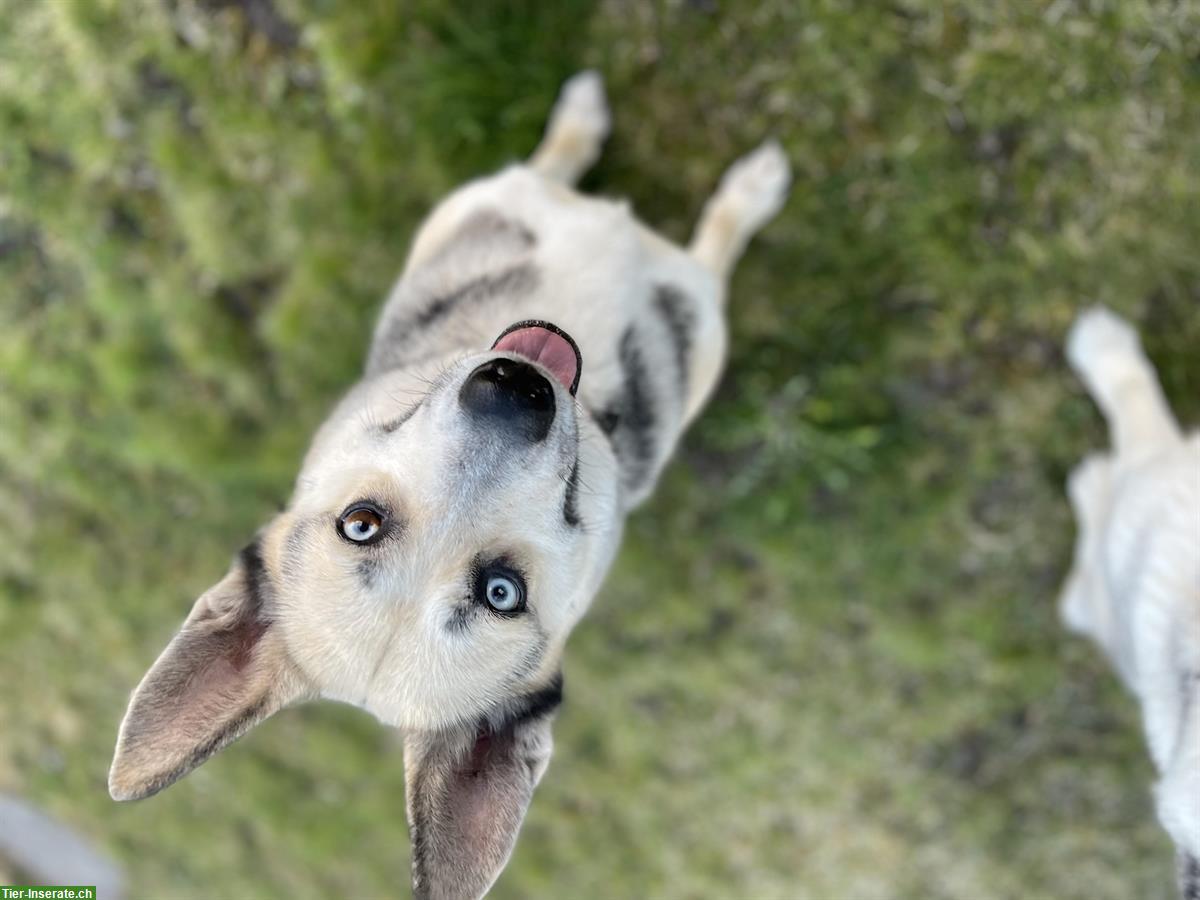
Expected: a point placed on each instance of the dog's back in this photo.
(517, 245)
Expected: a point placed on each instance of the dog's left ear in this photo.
(467, 796)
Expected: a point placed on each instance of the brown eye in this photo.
(361, 524)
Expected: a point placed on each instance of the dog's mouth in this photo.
(548, 346)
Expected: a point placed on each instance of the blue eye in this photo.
(501, 589)
(503, 593)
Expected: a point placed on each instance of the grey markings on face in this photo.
(460, 618)
(366, 568)
(390, 426)
(571, 499)
(533, 657)
(293, 548)
(367, 571)
(674, 307)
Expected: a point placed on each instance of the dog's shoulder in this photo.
(517, 205)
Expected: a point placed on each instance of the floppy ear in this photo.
(467, 796)
(223, 673)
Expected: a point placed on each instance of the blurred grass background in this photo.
(828, 663)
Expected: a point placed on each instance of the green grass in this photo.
(827, 664)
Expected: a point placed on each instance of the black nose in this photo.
(509, 394)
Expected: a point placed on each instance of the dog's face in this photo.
(443, 539)
(434, 561)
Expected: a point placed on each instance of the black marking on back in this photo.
(486, 239)
(630, 419)
(388, 352)
(676, 311)
(488, 227)
(521, 278)
(571, 500)
(608, 419)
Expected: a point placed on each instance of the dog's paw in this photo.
(756, 186)
(582, 107)
(1099, 333)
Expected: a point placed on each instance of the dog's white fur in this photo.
(1134, 586)
(392, 627)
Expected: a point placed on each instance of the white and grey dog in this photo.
(457, 512)
(1135, 583)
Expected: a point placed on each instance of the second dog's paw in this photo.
(1098, 332)
(582, 106)
(756, 186)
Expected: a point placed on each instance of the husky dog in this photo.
(529, 377)
(1134, 586)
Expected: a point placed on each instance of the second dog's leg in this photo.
(1104, 349)
(1084, 604)
(577, 128)
(751, 192)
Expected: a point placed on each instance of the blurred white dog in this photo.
(1134, 586)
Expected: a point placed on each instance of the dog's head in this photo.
(443, 539)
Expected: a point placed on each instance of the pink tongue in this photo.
(546, 348)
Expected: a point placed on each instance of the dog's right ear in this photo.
(223, 673)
